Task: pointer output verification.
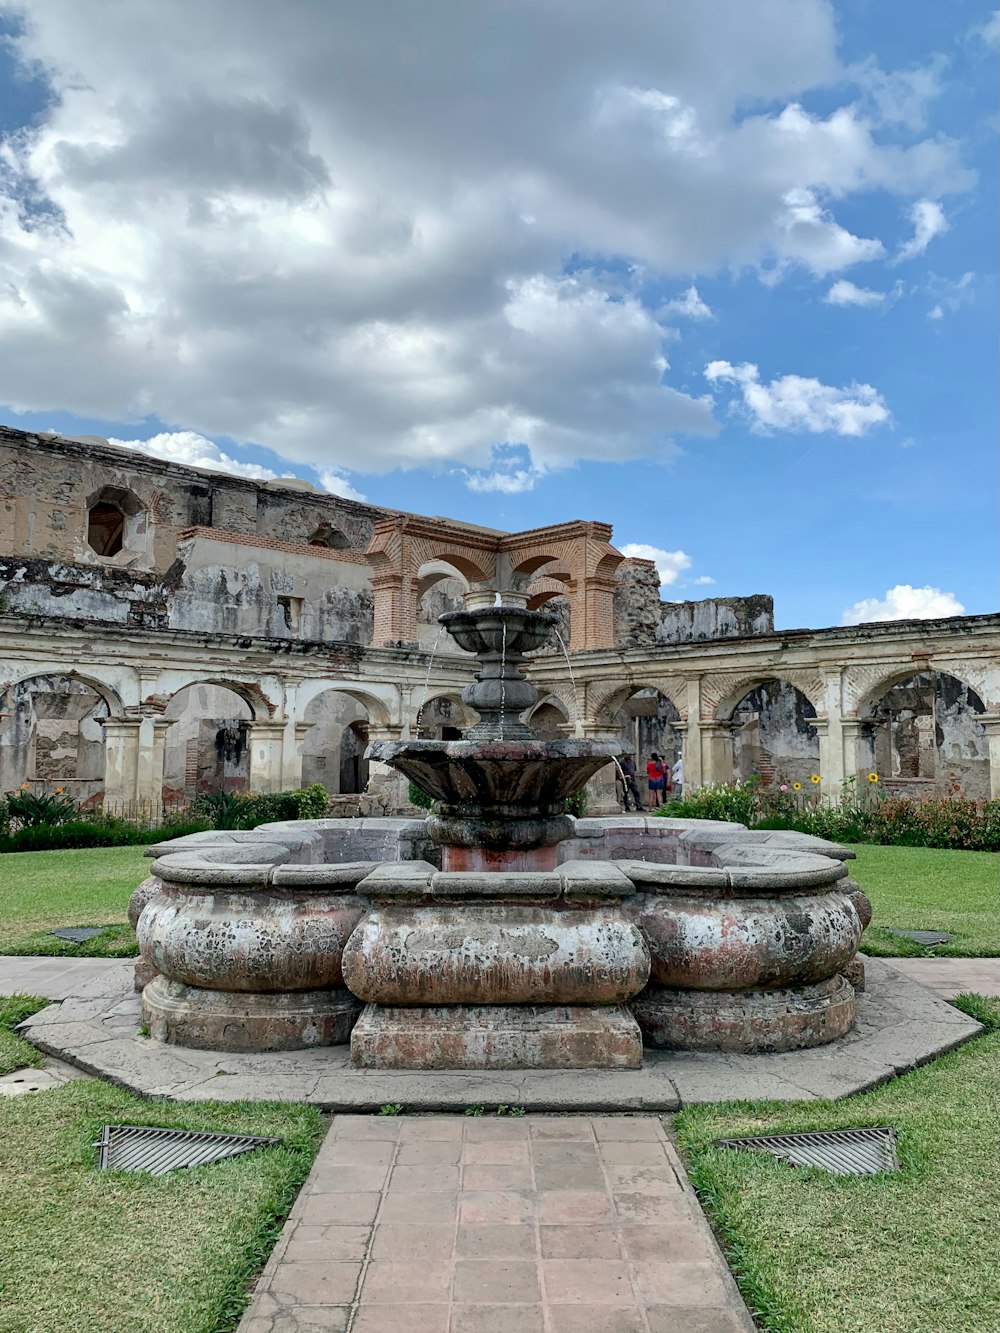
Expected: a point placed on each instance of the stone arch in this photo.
(443, 716)
(207, 745)
(606, 701)
(52, 733)
(773, 736)
(721, 695)
(117, 522)
(876, 683)
(550, 718)
(336, 725)
(381, 703)
(109, 692)
(330, 537)
(440, 587)
(926, 734)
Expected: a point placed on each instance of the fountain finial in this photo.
(497, 599)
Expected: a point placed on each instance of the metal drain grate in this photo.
(842, 1152)
(157, 1151)
(928, 938)
(78, 934)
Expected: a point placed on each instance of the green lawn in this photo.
(921, 888)
(907, 1253)
(15, 1052)
(91, 887)
(120, 1253)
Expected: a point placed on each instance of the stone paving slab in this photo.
(901, 1024)
(54, 978)
(951, 976)
(567, 1224)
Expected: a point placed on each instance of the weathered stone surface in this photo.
(746, 1021)
(855, 972)
(496, 1037)
(217, 1020)
(149, 887)
(498, 953)
(708, 944)
(268, 941)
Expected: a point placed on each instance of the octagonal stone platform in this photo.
(900, 1024)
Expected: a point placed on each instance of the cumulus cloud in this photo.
(989, 32)
(336, 244)
(193, 450)
(337, 484)
(798, 404)
(900, 96)
(951, 294)
(690, 305)
(904, 602)
(669, 564)
(844, 292)
(928, 221)
(702, 581)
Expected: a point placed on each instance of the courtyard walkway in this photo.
(458, 1224)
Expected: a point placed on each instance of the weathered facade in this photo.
(165, 630)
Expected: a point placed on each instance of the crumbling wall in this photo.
(642, 620)
(773, 736)
(51, 733)
(928, 738)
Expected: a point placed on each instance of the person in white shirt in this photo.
(677, 778)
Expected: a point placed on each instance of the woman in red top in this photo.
(656, 775)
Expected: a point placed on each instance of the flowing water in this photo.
(572, 681)
(503, 669)
(427, 680)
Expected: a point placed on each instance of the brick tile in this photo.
(587, 1282)
(652, 1209)
(630, 1179)
(625, 1128)
(322, 1283)
(579, 1242)
(424, 1129)
(349, 1179)
(482, 1129)
(595, 1319)
(684, 1242)
(492, 1281)
(426, 1152)
(685, 1319)
(636, 1152)
(479, 1177)
(496, 1319)
(419, 1209)
(499, 1241)
(409, 1318)
(496, 1152)
(496, 1207)
(303, 1319)
(366, 1127)
(338, 1209)
(388, 1282)
(694, 1284)
(325, 1244)
(562, 1127)
(574, 1207)
(403, 1243)
(433, 1179)
(564, 1152)
(358, 1152)
(569, 1176)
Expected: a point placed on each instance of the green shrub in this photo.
(576, 804)
(246, 810)
(4, 817)
(40, 810)
(313, 801)
(58, 837)
(420, 798)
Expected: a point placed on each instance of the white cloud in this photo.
(193, 450)
(333, 481)
(928, 221)
(936, 312)
(690, 305)
(846, 293)
(989, 31)
(951, 295)
(799, 404)
(334, 244)
(669, 564)
(508, 483)
(904, 602)
(702, 581)
(900, 96)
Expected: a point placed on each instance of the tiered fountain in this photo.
(543, 941)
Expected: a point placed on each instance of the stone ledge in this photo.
(900, 1025)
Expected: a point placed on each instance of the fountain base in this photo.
(486, 860)
(510, 1036)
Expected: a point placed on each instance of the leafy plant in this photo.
(476, 1108)
(421, 799)
(391, 1108)
(40, 809)
(576, 804)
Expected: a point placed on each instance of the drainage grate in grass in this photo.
(842, 1152)
(77, 934)
(157, 1151)
(928, 938)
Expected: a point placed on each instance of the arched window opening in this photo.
(106, 528)
(330, 537)
(116, 522)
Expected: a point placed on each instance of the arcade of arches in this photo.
(165, 630)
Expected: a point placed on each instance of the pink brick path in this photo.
(540, 1224)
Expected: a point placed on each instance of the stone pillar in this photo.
(831, 738)
(681, 730)
(152, 749)
(384, 782)
(693, 778)
(716, 752)
(991, 724)
(121, 761)
(266, 746)
(857, 744)
(291, 756)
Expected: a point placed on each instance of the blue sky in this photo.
(326, 245)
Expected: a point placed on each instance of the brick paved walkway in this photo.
(541, 1224)
(950, 976)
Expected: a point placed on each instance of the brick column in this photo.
(395, 614)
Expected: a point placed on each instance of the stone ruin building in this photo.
(168, 631)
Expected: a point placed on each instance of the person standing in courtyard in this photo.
(656, 775)
(630, 786)
(677, 779)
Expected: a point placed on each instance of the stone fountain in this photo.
(542, 941)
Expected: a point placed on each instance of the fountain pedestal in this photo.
(496, 971)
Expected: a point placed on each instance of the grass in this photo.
(109, 1252)
(923, 888)
(15, 1052)
(89, 887)
(912, 1252)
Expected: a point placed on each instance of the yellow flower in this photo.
(59, 791)
(796, 786)
(814, 778)
(873, 777)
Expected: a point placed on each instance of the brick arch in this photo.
(722, 694)
(262, 709)
(875, 684)
(102, 688)
(605, 701)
